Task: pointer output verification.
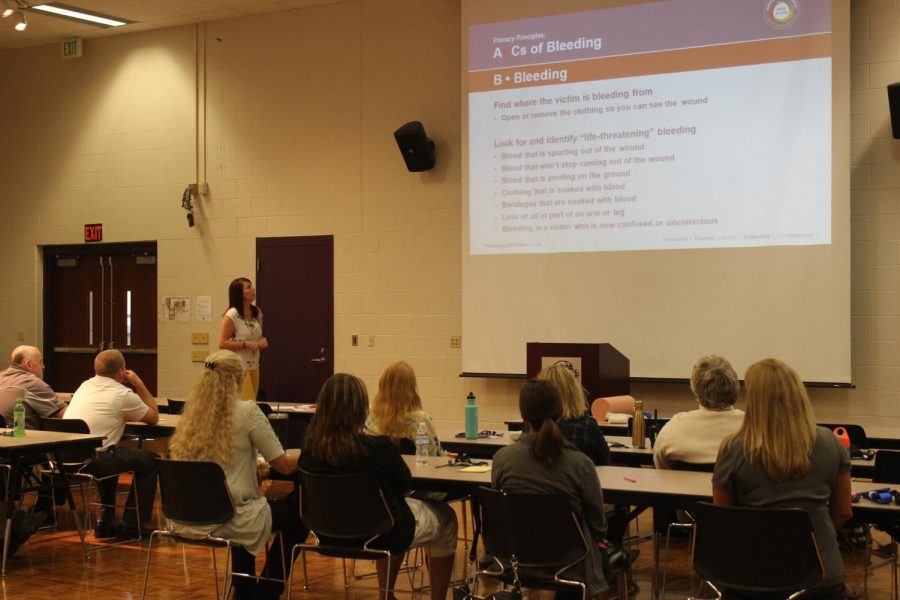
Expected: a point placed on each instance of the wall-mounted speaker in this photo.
(417, 149)
(894, 104)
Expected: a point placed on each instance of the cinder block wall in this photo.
(299, 111)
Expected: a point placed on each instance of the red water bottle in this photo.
(842, 435)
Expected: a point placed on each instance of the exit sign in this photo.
(93, 232)
(71, 48)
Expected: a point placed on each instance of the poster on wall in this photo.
(175, 308)
(204, 309)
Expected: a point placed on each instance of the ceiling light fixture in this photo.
(20, 20)
(77, 14)
(9, 7)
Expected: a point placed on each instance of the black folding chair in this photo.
(176, 407)
(71, 463)
(545, 556)
(856, 433)
(756, 550)
(887, 470)
(196, 493)
(681, 519)
(346, 514)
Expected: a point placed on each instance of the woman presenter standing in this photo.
(242, 332)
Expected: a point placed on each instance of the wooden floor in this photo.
(51, 566)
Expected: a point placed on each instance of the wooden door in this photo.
(98, 297)
(295, 290)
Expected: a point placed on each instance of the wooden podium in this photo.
(604, 371)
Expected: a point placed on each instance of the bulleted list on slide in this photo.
(565, 158)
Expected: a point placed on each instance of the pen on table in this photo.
(630, 479)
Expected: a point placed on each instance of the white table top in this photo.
(651, 485)
(36, 440)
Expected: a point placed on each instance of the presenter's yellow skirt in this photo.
(251, 384)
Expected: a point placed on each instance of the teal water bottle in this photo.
(471, 417)
(19, 419)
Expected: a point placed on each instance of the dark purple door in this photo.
(295, 290)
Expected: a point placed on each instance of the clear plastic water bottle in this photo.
(421, 445)
(19, 418)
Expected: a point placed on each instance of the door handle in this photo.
(321, 359)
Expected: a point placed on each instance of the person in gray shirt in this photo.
(24, 378)
(779, 458)
(542, 461)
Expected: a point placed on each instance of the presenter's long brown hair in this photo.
(335, 433)
(236, 297)
(541, 409)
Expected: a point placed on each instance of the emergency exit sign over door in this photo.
(93, 232)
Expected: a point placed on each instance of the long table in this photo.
(619, 447)
(658, 488)
(165, 427)
(633, 485)
(16, 450)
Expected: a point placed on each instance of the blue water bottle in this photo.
(471, 417)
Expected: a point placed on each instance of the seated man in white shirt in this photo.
(106, 404)
(695, 436)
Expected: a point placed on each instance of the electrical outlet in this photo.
(20, 336)
(199, 338)
(198, 355)
(371, 341)
(354, 340)
(455, 341)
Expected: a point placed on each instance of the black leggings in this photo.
(286, 519)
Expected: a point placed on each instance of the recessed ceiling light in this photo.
(9, 7)
(20, 20)
(77, 14)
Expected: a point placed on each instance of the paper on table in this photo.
(476, 469)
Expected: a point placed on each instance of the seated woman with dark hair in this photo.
(576, 424)
(336, 443)
(543, 462)
(780, 459)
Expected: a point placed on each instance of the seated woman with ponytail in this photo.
(543, 462)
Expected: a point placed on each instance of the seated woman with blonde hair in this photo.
(576, 424)
(219, 426)
(779, 458)
(397, 408)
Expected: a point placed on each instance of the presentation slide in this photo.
(671, 177)
(613, 129)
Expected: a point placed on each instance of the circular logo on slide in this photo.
(781, 13)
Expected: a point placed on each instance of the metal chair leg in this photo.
(147, 566)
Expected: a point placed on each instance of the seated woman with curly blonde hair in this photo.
(218, 426)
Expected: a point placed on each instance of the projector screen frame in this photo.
(498, 10)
